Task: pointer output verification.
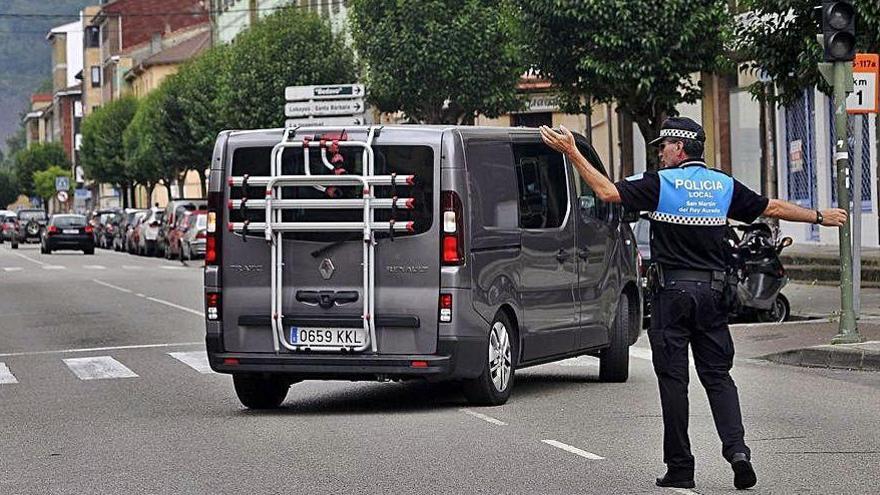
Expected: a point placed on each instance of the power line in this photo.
(320, 3)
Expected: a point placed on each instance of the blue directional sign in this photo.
(62, 183)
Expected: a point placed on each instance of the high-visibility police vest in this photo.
(693, 195)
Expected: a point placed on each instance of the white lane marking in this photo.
(173, 268)
(182, 308)
(132, 267)
(6, 376)
(488, 419)
(574, 450)
(197, 360)
(684, 491)
(640, 353)
(99, 349)
(13, 269)
(98, 368)
(140, 295)
(105, 284)
(94, 267)
(54, 267)
(582, 361)
(29, 259)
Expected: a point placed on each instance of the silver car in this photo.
(192, 243)
(477, 252)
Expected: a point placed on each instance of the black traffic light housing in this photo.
(839, 30)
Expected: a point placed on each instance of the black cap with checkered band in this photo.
(680, 128)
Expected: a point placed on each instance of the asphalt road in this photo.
(165, 425)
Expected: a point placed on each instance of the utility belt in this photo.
(658, 277)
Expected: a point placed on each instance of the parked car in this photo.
(31, 223)
(123, 231)
(642, 231)
(172, 248)
(8, 226)
(173, 211)
(192, 243)
(479, 282)
(71, 232)
(148, 232)
(135, 232)
(106, 228)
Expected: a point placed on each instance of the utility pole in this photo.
(838, 40)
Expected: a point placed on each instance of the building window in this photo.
(96, 76)
(93, 37)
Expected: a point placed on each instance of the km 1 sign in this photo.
(864, 96)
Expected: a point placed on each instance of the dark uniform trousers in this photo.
(692, 312)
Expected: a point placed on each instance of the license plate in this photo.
(71, 231)
(327, 337)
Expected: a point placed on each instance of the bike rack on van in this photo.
(274, 227)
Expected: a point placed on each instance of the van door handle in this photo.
(562, 255)
(583, 253)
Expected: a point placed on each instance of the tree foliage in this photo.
(640, 54)
(778, 38)
(288, 48)
(102, 153)
(439, 61)
(8, 188)
(39, 156)
(44, 181)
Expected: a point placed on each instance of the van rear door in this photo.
(323, 296)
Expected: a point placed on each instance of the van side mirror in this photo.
(630, 216)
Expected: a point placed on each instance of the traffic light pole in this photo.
(848, 331)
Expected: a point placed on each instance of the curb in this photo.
(849, 357)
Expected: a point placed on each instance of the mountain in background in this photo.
(25, 56)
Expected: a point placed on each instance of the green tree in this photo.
(288, 48)
(778, 38)
(102, 153)
(640, 54)
(149, 148)
(8, 188)
(14, 143)
(44, 181)
(37, 157)
(439, 61)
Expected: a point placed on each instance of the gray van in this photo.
(486, 253)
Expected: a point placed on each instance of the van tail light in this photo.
(453, 231)
(445, 308)
(212, 306)
(52, 230)
(215, 218)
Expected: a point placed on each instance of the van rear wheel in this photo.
(259, 392)
(614, 361)
(492, 387)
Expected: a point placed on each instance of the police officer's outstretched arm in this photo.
(563, 142)
(783, 210)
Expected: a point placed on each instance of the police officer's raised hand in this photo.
(833, 217)
(562, 141)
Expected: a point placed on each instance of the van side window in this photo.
(589, 204)
(543, 189)
(494, 202)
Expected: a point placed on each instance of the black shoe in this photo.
(668, 481)
(743, 474)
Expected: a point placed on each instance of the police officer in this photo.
(689, 204)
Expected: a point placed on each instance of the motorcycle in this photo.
(759, 272)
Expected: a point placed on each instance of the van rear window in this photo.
(64, 222)
(402, 160)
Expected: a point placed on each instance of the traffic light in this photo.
(839, 30)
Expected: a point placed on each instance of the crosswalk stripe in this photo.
(54, 267)
(132, 267)
(6, 376)
(98, 367)
(94, 267)
(13, 269)
(197, 360)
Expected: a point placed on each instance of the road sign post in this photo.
(325, 105)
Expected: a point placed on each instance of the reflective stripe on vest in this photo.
(693, 195)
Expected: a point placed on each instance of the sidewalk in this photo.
(808, 344)
(814, 300)
(820, 264)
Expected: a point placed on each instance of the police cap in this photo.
(680, 128)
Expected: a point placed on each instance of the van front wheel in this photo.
(258, 392)
(614, 361)
(492, 387)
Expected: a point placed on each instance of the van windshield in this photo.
(402, 160)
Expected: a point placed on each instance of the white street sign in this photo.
(325, 92)
(863, 99)
(324, 108)
(330, 121)
(62, 196)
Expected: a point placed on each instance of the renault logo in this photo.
(327, 268)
